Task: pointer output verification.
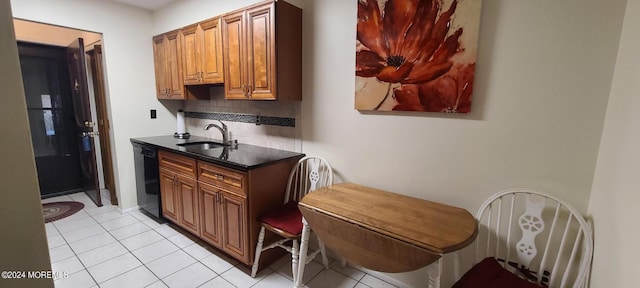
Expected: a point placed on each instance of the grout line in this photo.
(76, 255)
(125, 247)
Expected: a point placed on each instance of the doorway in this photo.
(50, 109)
(97, 125)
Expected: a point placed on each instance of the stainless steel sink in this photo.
(202, 145)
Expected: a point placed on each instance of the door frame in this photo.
(102, 115)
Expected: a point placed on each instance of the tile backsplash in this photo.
(279, 120)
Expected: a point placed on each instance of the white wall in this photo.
(23, 239)
(183, 13)
(542, 83)
(543, 77)
(128, 55)
(614, 197)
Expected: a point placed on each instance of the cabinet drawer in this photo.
(177, 163)
(230, 180)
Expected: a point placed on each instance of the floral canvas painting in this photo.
(416, 55)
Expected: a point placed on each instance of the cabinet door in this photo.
(168, 195)
(211, 52)
(234, 226)
(234, 55)
(189, 212)
(261, 52)
(160, 64)
(210, 214)
(190, 58)
(174, 60)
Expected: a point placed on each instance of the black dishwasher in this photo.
(147, 179)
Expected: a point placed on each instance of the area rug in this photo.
(58, 210)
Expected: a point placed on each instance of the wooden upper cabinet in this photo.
(190, 50)
(256, 52)
(234, 55)
(261, 52)
(211, 56)
(168, 66)
(202, 53)
(160, 65)
(256, 65)
(176, 84)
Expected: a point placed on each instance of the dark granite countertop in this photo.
(244, 157)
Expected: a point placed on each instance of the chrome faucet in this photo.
(223, 129)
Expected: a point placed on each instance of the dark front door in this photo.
(83, 120)
(51, 118)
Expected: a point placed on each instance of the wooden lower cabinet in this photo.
(168, 197)
(224, 221)
(210, 214)
(234, 226)
(180, 200)
(189, 211)
(221, 205)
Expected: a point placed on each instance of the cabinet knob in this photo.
(248, 91)
(219, 177)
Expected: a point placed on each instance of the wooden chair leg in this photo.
(295, 254)
(256, 260)
(304, 246)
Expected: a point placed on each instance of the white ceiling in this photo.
(146, 4)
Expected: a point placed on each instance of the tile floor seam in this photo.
(197, 262)
(180, 268)
(105, 280)
(66, 243)
(87, 268)
(349, 276)
(76, 255)
(224, 279)
(163, 238)
(143, 264)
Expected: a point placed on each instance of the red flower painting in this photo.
(413, 51)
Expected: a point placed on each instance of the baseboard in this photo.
(129, 210)
(382, 276)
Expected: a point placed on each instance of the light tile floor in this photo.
(101, 247)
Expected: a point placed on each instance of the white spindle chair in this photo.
(536, 236)
(310, 173)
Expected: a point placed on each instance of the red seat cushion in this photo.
(490, 274)
(286, 218)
